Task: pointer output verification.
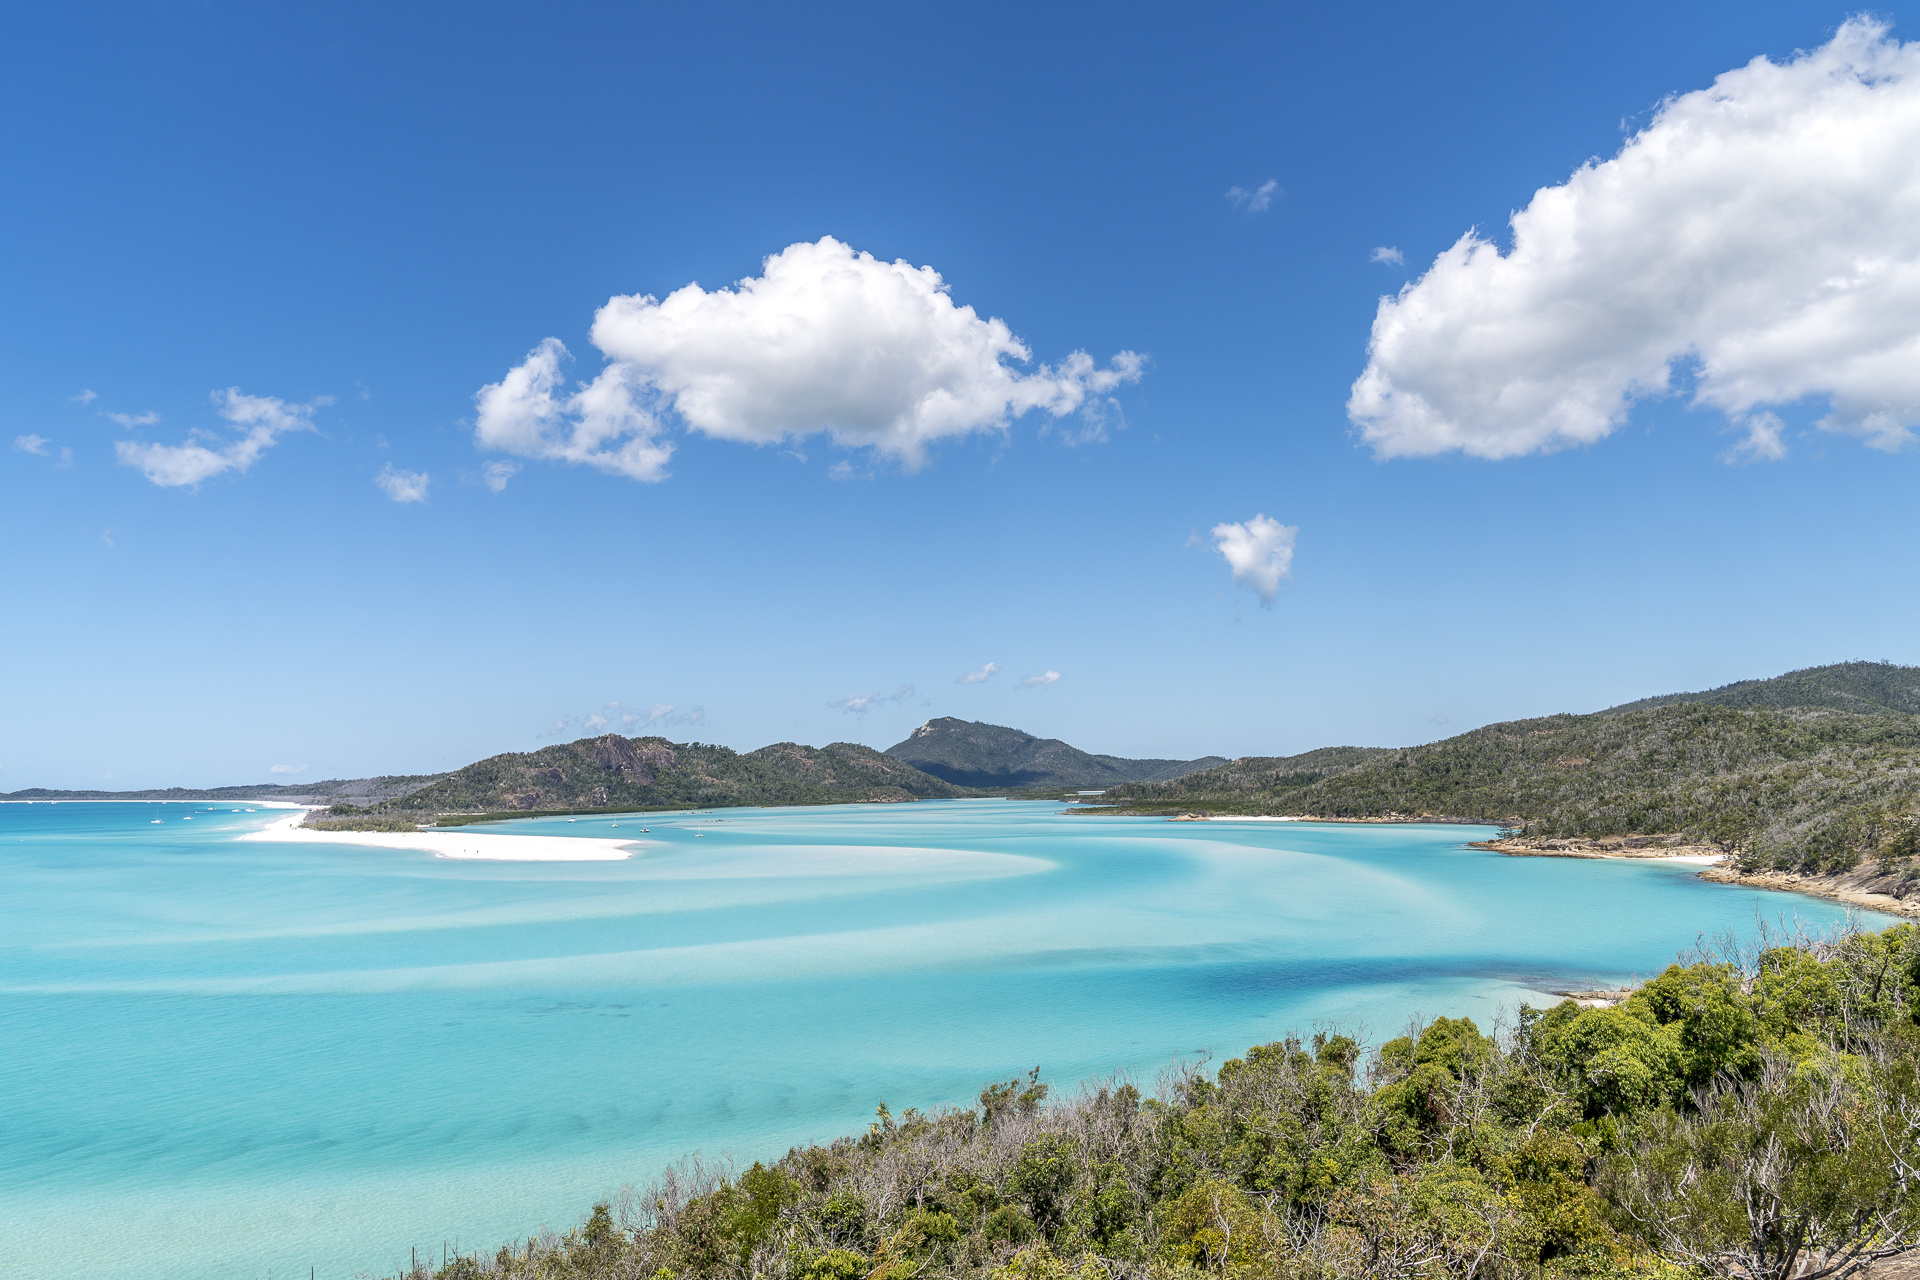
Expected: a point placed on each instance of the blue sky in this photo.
(376, 211)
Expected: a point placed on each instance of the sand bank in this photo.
(456, 842)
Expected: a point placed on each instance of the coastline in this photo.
(457, 843)
(1857, 888)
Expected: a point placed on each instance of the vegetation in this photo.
(971, 754)
(1807, 790)
(611, 772)
(1753, 1113)
(351, 817)
(1867, 688)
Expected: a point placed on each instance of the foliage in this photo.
(1810, 790)
(1752, 1114)
(972, 754)
(612, 773)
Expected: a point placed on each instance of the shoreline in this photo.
(456, 843)
(1852, 888)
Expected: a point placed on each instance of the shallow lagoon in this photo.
(243, 1059)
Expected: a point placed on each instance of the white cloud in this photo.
(600, 424)
(1041, 680)
(1388, 254)
(146, 419)
(1260, 553)
(825, 341)
(981, 676)
(1765, 231)
(1258, 200)
(595, 723)
(1763, 441)
(263, 420)
(288, 768)
(402, 486)
(861, 703)
(496, 474)
(31, 444)
(86, 396)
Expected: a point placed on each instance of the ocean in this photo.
(226, 1059)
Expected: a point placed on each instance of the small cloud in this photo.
(1436, 719)
(86, 396)
(146, 419)
(496, 474)
(66, 458)
(264, 419)
(402, 486)
(840, 471)
(1388, 254)
(1258, 200)
(595, 723)
(1260, 553)
(1763, 442)
(288, 768)
(861, 703)
(981, 676)
(1041, 681)
(106, 536)
(31, 444)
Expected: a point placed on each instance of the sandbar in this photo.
(456, 843)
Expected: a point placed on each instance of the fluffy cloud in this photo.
(1258, 200)
(130, 420)
(262, 420)
(86, 395)
(1260, 553)
(1765, 231)
(1388, 254)
(402, 486)
(1040, 681)
(825, 341)
(600, 424)
(31, 444)
(981, 676)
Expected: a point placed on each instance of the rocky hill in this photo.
(615, 772)
(970, 754)
(1868, 688)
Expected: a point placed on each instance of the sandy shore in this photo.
(1632, 848)
(456, 842)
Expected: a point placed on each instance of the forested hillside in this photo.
(972, 754)
(1868, 688)
(614, 772)
(1808, 789)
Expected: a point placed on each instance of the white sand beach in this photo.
(456, 842)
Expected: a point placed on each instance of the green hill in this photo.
(1868, 688)
(615, 772)
(971, 754)
(1805, 789)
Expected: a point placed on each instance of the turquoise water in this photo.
(241, 1059)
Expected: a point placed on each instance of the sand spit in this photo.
(457, 842)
